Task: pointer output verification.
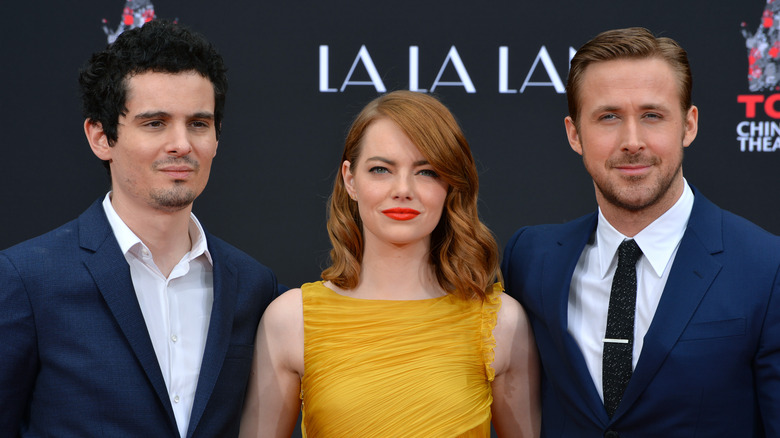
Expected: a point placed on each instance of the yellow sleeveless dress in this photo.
(379, 368)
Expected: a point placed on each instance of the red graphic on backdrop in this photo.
(764, 50)
(135, 14)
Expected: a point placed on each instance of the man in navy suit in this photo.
(132, 320)
(701, 337)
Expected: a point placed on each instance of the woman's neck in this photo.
(394, 272)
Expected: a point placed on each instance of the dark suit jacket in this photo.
(710, 365)
(76, 359)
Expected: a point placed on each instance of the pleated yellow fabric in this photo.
(378, 368)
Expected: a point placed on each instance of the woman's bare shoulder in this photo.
(284, 312)
(512, 333)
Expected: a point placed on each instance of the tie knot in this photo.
(629, 252)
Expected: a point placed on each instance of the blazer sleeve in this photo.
(507, 263)
(18, 348)
(767, 364)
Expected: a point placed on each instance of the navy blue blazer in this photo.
(76, 359)
(710, 365)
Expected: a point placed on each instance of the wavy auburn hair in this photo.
(464, 252)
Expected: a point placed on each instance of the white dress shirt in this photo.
(176, 309)
(591, 282)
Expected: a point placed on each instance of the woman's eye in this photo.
(428, 172)
(378, 169)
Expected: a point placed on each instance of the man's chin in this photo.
(632, 198)
(174, 200)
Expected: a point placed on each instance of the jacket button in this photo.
(611, 434)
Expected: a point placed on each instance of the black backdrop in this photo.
(282, 136)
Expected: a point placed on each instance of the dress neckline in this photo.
(376, 300)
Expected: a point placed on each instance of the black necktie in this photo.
(619, 339)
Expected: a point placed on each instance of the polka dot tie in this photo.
(619, 339)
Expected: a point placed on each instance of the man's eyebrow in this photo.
(203, 115)
(613, 108)
(653, 106)
(152, 115)
(163, 114)
(606, 108)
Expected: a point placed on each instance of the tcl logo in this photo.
(753, 101)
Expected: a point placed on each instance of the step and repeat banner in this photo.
(301, 70)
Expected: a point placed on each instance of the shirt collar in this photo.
(658, 241)
(129, 242)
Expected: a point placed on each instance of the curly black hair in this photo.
(158, 46)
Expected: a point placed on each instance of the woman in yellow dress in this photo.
(408, 335)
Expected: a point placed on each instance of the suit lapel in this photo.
(220, 328)
(558, 268)
(693, 271)
(109, 270)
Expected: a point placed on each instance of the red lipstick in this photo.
(401, 214)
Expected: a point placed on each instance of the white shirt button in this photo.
(174, 338)
(176, 399)
(145, 252)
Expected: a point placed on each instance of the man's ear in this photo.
(573, 135)
(691, 126)
(97, 139)
(217, 146)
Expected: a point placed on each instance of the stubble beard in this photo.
(178, 197)
(174, 199)
(636, 193)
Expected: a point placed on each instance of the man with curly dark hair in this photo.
(132, 320)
